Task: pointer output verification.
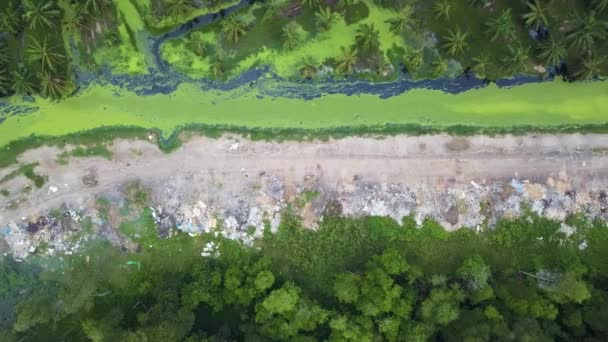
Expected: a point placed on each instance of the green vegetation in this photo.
(5, 192)
(386, 33)
(555, 106)
(352, 279)
(84, 151)
(26, 170)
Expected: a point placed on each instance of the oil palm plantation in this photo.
(326, 18)
(217, 68)
(346, 61)
(501, 26)
(443, 9)
(75, 23)
(600, 5)
(197, 44)
(587, 30)
(516, 59)
(177, 9)
(536, 15)
(591, 67)
(308, 68)
(414, 59)
(4, 53)
(10, 19)
(52, 86)
(44, 53)
(311, 3)
(233, 28)
(404, 19)
(40, 14)
(271, 9)
(5, 81)
(553, 52)
(481, 65)
(367, 38)
(22, 81)
(291, 35)
(456, 41)
(95, 7)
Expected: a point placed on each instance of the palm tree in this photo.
(405, 18)
(456, 41)
(440, 66)
(5, 81)
(233, 29)
(536, 15)
(415, 59)
(52, 86)
(217, 68)
(481, 64)
(367, 37)
(40, 13)
(179, 8)
(291, 35)
(308, 68)
(443, 9)
(44, 53)
(10, 19)
(311, 3)
(197, 44)
(586, 31)
(502, 26)
(591, 67)
(271, 9)
(75, 23)
(4, 53)
(326, 18)
(347, 61)
(22, 81)
(600, 5)
(517, 59)
(553, 52)
(94, 7)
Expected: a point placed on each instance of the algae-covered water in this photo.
(534, 104)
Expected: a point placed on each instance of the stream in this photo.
(161, 79)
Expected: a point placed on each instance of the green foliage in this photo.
(367, 38)
(536, 15)
(361, 279)
(40, 13)
(233, 29)
(456, 41)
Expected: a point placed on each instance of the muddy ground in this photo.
(241, 184)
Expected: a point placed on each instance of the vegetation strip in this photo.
(352, 279)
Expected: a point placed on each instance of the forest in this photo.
(352, 279)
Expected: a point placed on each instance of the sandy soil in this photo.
(236, 163)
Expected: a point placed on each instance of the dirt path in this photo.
(390, 176)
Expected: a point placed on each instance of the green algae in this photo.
(531, 105)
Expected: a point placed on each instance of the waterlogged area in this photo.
(535, 104)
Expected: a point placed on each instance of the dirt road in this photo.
(248, 180)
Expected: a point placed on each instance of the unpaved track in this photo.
(231, 166)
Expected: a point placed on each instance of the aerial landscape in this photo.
(303, 170)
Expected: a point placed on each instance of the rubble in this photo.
(471, 205)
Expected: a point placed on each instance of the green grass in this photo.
(26, 170)
(37, 179)
(84, 151)
(5, 192)
(88, 117)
